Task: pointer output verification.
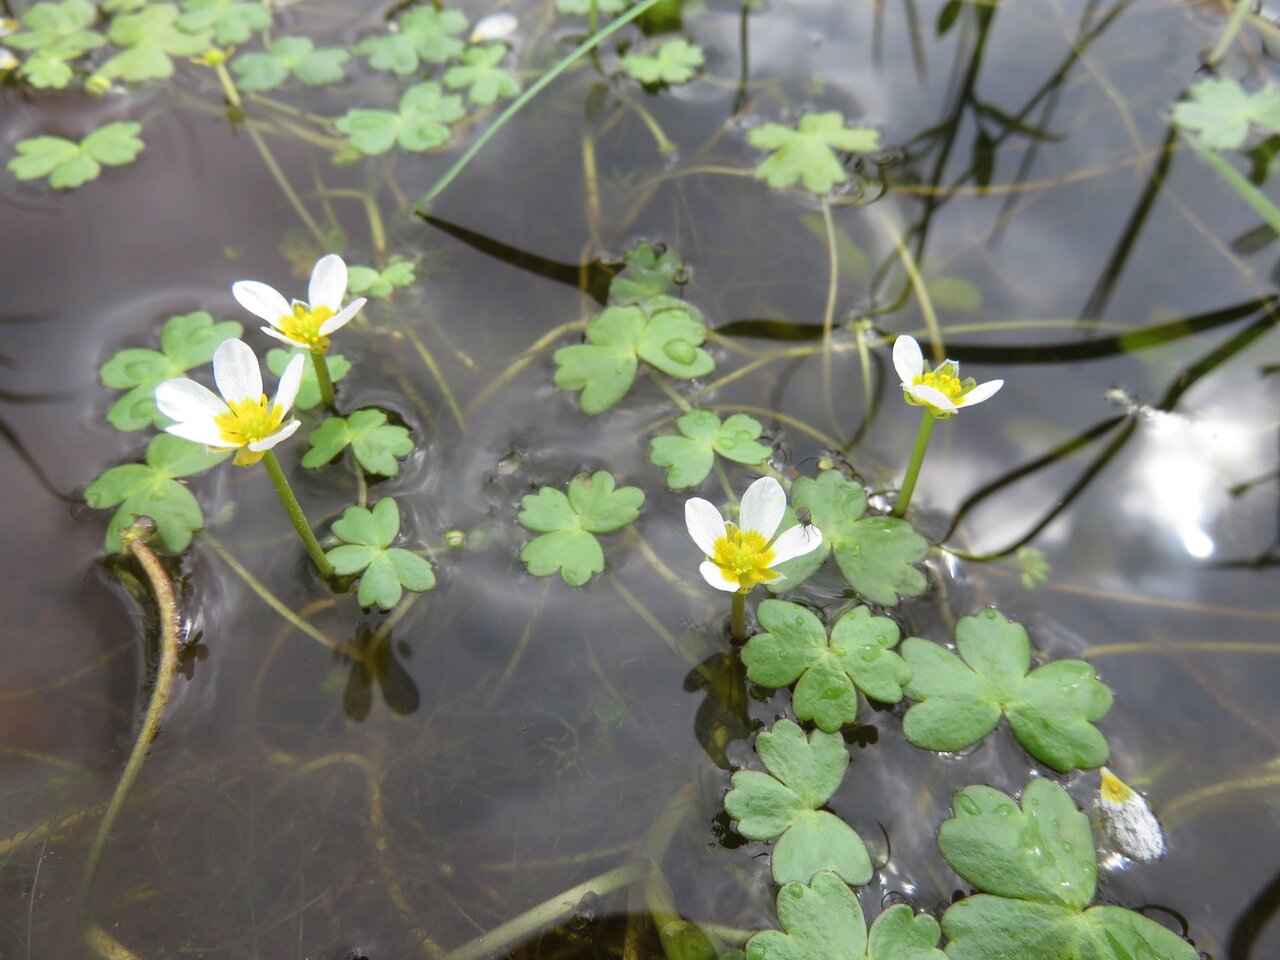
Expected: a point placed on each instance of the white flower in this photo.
(743, 555)
(241, 419)
(301, 324)
(496, 26)
(1128, 821)
(941, 390)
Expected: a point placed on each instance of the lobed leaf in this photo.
(385, 571)
(677, 61)
(568, 524)
(376, 444)
(807, 153)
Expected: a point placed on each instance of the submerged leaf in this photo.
(807, 153)
(1220, 111)
(645, 274)
(677, 61)
(367, 281)
(568, 525)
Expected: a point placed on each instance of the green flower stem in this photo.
(738, 617)
(323, 379)
(913, 468)
(299, 519)
(228, 86)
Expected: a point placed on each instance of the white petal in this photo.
(983, 391)
(290, 382)
(711, 573)
(272, 332)
(200, 431)
(328, 283)
(284, 433)
(705, 524)
(496, 26)
(762, 507)
(262, 301)
(933, 397)
(796, 542)
(342, 317)
(907, 359)
(186, 401)
(236, 371)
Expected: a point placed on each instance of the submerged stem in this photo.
(913, 468)
(323, 379)
(299, 519)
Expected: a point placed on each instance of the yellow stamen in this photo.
(247, 422)
(744, 557)
(945, 383)
(303, 325)
(1114, 789)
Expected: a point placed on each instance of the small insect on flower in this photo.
(1128, 821)
(805, 519)
(940, 389)
(741, 555)
(299, 324)
(242, 419)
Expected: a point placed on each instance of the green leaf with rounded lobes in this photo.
(385, 571)
(645, 274)
(57, 32)
(807, 153)
(380, 283)
(151, 39)
(604, 367)
(568, 524)
(480, 75)
(232, 21)
(1052, 709)
(423, 34)
(671, 340)
(601, 508)
(677, 61)
(69, 165)
(688, 458)
(289, 56)
(899, 934)
(1220, 111)
(376, 444)
(576, 554)
(821, 919)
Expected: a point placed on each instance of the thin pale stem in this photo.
(323, 379)
(1229, 34)
(913, 468)
(299, 519)
(738, 617)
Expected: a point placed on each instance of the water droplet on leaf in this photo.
(681, 351)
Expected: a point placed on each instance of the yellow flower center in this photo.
(247, 422)
(303, 325)
(1115, 789)
(945, 383)
(744, 556)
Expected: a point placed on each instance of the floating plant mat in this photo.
(595, 350)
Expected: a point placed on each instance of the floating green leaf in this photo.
(689, 458)
(68, 164)
(151, 39)
(480, 75)
(899, 934)
(385, 571)
(186, 341)
(677, 62)
(807, 153)
(296, 56)
(54, 33)
(645, 275)
(796, 648)
(664, 332)
(231, 21)
(822, 921)
(309, 393)
(785, 803)
(583, 7)
(1036, 867)
(1051, 709)
(953, 293)
(422, 122)
(568, 525)
(1220, 111)
(151, 489)
(876, 555)
(375, 443)
(424, 35)
(367, 281)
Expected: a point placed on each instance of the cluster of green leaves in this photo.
(642, 323)
(787, 803)
(1051, 710)
(53, 34)
(421, 122)
(1220, 111)
(1035, 865)
(151, 489)
(366, 550)
(286, 57)
(480, 75)
(186, 341)
(309, 391)
(422, 35)
(807, 152)
(827, 672)
(568, 525)
(68, 164)
(367, 281)
(676, 61)
(150, 38)
(230, 21)
(877, 556)
(689, 457)
(375, 443)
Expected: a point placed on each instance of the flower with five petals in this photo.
(299, 324)
(741, 555)
(940, 389)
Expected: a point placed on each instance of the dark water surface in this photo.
(521, 736)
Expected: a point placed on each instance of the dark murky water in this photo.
(521, 737)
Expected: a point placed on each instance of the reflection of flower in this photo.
(940, 389)
(301, 324)
(1128, 821)
(241, 419)
(743, 555)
